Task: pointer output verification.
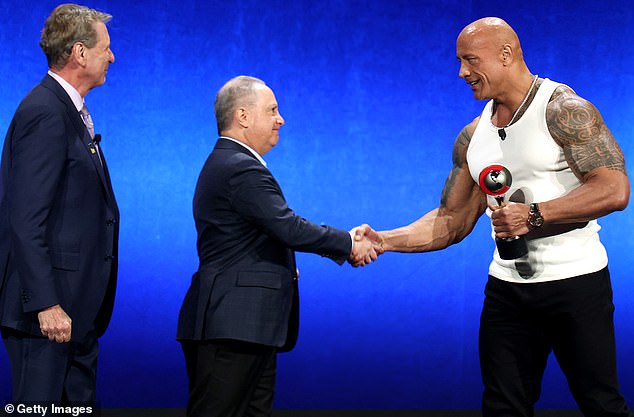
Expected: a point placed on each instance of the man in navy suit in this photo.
(242, 305)
(58, 219)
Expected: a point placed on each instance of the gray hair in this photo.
(67, 25)
(239, 91)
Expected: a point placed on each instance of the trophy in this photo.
(495, 180)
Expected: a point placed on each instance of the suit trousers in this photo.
(229, 378)
(522, 323)
(47, 371)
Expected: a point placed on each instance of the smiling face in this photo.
(481, 62)
(264, 121)
(98, 58)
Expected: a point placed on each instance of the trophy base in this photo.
(511, 248)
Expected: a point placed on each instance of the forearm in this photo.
(461, 204)
(603, 192)
(429, 233)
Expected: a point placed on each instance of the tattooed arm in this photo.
(461, 204)
(594, 157)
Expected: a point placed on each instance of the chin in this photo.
(98, 83)
(480, 96)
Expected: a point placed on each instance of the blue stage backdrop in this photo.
(372, 101)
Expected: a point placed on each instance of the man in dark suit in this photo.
(242, 305)
(58, 219)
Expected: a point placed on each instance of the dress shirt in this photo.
(74, 95)
(257, 155)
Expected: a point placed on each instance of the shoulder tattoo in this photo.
(577, 126)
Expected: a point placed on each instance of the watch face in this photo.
(535, 219)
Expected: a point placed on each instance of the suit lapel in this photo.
(82, 134)
(108, 185)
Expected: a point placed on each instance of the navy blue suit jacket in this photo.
(246, 285)
(59, 221)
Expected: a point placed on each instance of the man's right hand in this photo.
(365, 246)
(55, 324)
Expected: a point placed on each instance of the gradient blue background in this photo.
(372, 101)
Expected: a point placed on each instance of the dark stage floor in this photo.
(335, 413)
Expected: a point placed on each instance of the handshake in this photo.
(367, 245)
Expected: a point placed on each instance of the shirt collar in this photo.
(244, 145)
(74, 95)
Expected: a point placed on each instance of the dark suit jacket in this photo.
(246, 285)
(59, 221)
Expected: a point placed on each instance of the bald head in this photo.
(491, 59)
(492, 31)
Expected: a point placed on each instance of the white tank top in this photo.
(540, 173)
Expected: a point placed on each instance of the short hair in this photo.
(67, 25)
(239, 91)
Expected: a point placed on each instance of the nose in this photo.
(111, 57)
(280, 120)
(464, 71)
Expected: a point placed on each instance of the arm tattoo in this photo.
(577, 126)
(458, 156)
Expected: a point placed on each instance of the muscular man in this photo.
(567, 171)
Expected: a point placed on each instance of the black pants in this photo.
(522, 323)
(229, 378)
(46, 371)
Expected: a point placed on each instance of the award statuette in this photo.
(495, 180)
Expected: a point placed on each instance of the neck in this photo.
(237, 135)
(73, 79)
(507, 109)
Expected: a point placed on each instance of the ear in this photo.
(78, 52)
(242, 116)
(506, 55)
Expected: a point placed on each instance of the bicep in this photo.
(577, 126)
(463, 203)
(461, 196)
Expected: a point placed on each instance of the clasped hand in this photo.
(55, 324)
(509, 220)
(366, 246)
